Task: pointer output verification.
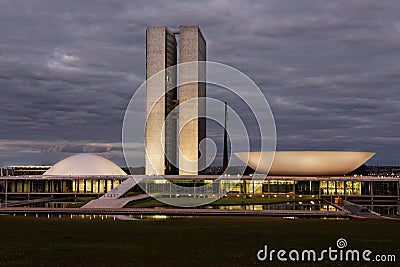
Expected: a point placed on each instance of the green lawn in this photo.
(205, 241)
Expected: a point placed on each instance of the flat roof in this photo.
(204, 177)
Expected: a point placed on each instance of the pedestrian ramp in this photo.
(114, 199)
(121, 189)
(360, 211)
(104, 203)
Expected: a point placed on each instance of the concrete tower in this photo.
(192, 47)
(161, 99)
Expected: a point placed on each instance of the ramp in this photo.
(121, 189)
(112, 203)
(112, 199)
(360, 211)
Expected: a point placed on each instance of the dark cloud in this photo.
(45, 152)
(84, 148)
(330, 69)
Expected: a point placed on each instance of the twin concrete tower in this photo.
(175, 116)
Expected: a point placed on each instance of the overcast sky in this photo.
(329, 69)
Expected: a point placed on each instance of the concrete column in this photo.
(372, 193)
(6, 197)
(294, 189)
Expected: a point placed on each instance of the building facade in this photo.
(162, 143)
(192, 121)
(161, 99)
(380, 194)
(23, 170)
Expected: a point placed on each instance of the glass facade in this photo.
(80, 186)
(211, 187)
(378, 195)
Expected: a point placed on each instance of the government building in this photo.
(91, 175)
(323, 175)
(163, 154)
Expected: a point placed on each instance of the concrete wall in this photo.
(160, 54)
(191, 131)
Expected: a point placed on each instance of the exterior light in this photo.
(262, 195)
(301, 196)
(287, 195)
(274, 195)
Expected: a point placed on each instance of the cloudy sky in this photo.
(329, 69)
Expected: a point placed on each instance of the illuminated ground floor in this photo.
(381, 194)
(93, 185)
(374, 188)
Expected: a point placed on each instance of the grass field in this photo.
(206, 241)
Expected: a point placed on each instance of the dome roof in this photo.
(84, 164)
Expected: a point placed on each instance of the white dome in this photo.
(84, 164)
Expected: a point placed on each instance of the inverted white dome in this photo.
(84, 164)
(303, 163)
